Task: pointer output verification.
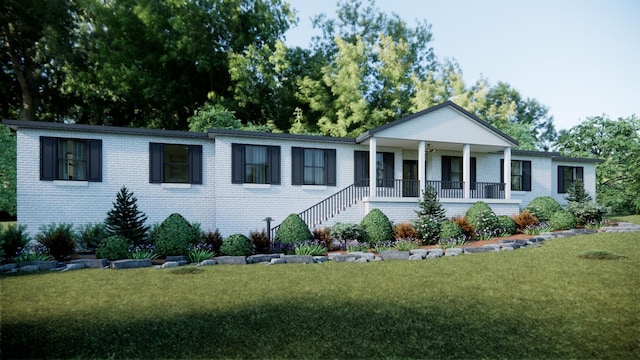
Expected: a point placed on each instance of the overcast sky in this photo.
(580, 58)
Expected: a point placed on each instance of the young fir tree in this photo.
(577, 193)
(430, 215)
(125, 219)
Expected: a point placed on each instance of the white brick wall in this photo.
(125, 160)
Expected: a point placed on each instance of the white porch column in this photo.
(466, 170)
(421, 166)
(507, 173)
(372, 166)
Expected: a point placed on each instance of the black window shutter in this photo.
(274, 165)
(446, 172)
(473, 173)
(389, 169)
(297, 157)
(94, 165)
(361, 162)
(195, 164)
(526, 175)
(579, 173)
(156, 159)
(330, 166)
(237, 163)
(48, 153)
(502, 174)
(561, 170)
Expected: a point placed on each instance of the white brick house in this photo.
(232, 180)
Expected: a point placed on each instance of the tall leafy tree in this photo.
(617, 143)
(7, 170)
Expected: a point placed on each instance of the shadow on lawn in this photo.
(304, 328)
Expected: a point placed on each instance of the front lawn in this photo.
(544, 302)
(629, 218)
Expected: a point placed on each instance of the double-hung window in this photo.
(567, 175)
(520, 174)
(70, 159)
(385, 168)
(255, 164)
(312, 166)
(175, 163)
(452, 172)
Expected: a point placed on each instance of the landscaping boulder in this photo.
(298, 259)
(395, 255)
(231, 260)
(261, 258)
(73, 266)
(415, 257)
(29, 268)
(276, 261)
(42, 265)
(453, 252)
(170, 264)
(421, 252)
(131, 263)
(91, 263)
(437, 252)
(473, 250)
(8, 267)
(208, 262)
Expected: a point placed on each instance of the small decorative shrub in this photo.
(174, 236)
(345, 232)
(14, 239)
(525, 219)
(543, 207)
(282, 248)
(212, 238)
(562, 220)
(59, 239)
(236, 245)
(357, 246)
(32, 252)
(449, 230)
(292, 230)
(450, 243)
(114, 247)
(377, 227)
(483, 219)
(201, 252)
(406, 230)
(260, 241)
(405, 245)
(507, 226)
(384, 245)
(586, 212)
(537, 229)
(90, 235)
(125, 219)
(467, 229)
(321, 235)
(577, 193)
(313, 248)
(430, 214)
(143, 251)
(429, 230)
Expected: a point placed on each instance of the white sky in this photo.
(580, 58)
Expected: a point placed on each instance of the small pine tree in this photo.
(577, 193)
(125, 219)
(430, 206)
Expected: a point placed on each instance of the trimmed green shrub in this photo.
(377, 227)
(13, 238)
(114, 247)
(543, 207)
(587, 212)
(292, 230)
(450, 230)
(90, 235)
(507, 225)
(174, 236)
(428, 230)
(59, 239)
(346, 232)
(236, 245)
(562, 220)
(484, 221)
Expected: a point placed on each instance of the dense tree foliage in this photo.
(7, 171)
(617, 143)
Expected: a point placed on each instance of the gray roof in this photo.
(15, 124)
(265, 135)
(556, 156)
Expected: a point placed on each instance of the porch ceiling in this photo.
(434, 145)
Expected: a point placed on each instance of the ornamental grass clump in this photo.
(174, 236)
(201, 252)
(313, 248)
(143, 251)
(292, 230)
(537, 229)
(405, 245)
(13, 239)
(32, 252)
(59, 239)
(236, 245)
(377, 227)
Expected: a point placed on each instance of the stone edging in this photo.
(273, 259)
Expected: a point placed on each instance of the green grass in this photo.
(531, 303)
(629, 218)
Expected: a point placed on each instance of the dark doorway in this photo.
(410, 183)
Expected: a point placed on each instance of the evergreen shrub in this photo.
(59, 239)
(543, 207)
(14, 238)
(236, 245)
(113, 248)
(562, 220)
(174, 236)
(125, 219)
(90, 235)
(292, 230)
(484, 221)
(451, 230)
(587, 212)
(507, 225)
(377, 227)
(430, 214)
